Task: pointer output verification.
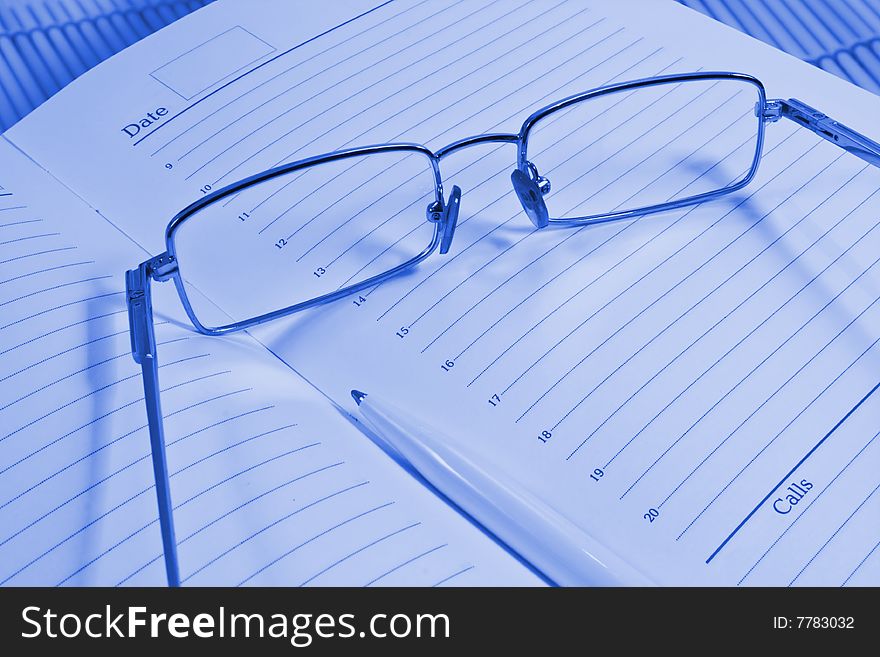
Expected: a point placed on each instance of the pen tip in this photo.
(358, 396)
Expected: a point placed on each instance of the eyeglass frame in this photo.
(528, 184)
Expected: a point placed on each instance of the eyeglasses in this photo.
(334, 225)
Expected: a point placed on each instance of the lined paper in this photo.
(692, 383)
(270, 484)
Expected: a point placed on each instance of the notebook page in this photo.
(698, 386)
(271, 484)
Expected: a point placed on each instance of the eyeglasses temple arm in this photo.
(824, 126)
(143, 349)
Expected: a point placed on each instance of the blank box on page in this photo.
(212, 62)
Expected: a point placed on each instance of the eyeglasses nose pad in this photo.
(451, 219)
(530, 197)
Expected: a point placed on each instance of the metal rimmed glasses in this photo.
(313, 231)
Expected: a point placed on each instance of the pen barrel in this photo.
(543, 537)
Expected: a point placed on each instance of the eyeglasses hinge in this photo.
(770, 112)
(162, 267)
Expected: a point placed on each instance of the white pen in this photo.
(555, 546)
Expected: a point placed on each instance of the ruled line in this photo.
(796, 466)
(808, 507)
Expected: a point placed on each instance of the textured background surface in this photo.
(44, 44)
(840, 36)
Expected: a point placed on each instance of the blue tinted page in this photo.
(697, 388)
(271, 484)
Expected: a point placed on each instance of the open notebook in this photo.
(662, 382)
